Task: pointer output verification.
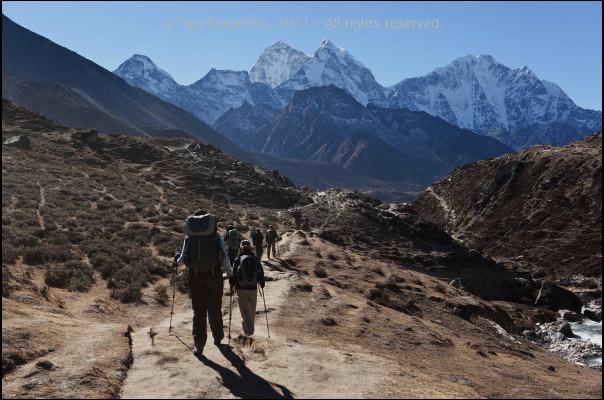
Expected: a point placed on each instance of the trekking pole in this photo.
(230, 313)
(265, 311)
(174, 276)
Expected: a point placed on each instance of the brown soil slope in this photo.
(541, 207)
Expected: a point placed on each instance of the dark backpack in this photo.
(247, 273)
(271, 236)
(203, 251)
(257, 237)
(234, 238)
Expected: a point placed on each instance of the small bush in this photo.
(26, 241)
(378, 296)
(9, 254)
(160, 295)
(130, 293)
(156, 267)
(5, 280)
(45, 254)
(320, 273)
(106, 264)
(304, 287)
(128, 282)
(73, 275)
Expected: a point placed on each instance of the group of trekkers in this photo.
(232, 238)
(207, 255)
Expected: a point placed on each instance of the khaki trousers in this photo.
(247, 307)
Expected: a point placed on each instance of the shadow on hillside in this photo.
(246, 384)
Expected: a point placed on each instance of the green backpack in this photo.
(234, 239)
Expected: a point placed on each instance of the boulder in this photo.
(556, 298)
(570, 316)
(594, 315)
(566, 330)
(88, 136)
(20, 141)
(45, 364)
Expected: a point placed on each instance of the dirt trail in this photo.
(161, 201)
(41, 205)
(451, 217)
(279, 367)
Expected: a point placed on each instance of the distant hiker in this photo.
(258, 241)
(233, 240)
(203, 252)
(298, 217)
(305, 222)
(271, 238)
(247, 275)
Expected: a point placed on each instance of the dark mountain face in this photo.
(542, 207)
(55, 81)
(245, 125)
(326, 124)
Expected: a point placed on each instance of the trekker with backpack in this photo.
(258, 241)
(204, 254)
(297, 214)
(247, 275)
(271, 238)
(233, 240)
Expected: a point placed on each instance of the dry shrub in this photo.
(45, 254)
(73, 275)
(160, 295)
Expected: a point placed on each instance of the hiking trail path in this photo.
(41, 205)
(279, 367)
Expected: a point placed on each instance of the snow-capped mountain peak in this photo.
(223, 78)
(139, 70)
(276, 64)
(332, 65)
(474, 91)
(479, 93)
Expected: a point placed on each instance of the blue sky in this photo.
(560, 41)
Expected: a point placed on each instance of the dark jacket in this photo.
(259, 271)
(257, 238)
(271, 236)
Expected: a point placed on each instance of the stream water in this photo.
(590, 331)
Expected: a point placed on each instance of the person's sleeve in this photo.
(235, 266)
(181, 259)
(226, 263)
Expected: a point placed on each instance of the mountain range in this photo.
(327, 124)
(322, 120)
(473, 92)
(55, 81)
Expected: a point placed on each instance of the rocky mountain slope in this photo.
(542, 207)
(327, 124)
(481, 94)
(57, 82)
(91, 220)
